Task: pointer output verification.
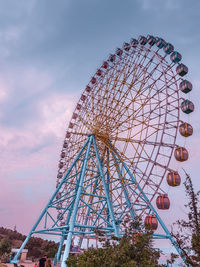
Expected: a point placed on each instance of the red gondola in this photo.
(185, 86)
(162, 202)
(83, 97)
(185, 129)
(74, 116)
(151, 222)
(65, 145)
(78, 106)
(93, 80)
(71, 125)
(61, 164)
(105, 65)
(62, 154)
(68, 134)
(181, 154)
(173, 178)
(99, 72)
(88, 89)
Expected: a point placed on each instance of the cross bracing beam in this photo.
(94, 198)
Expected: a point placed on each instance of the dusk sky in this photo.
(48, 52)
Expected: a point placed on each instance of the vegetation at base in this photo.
(134, 249)
(37, 247)
(5, 248)
(188, 234)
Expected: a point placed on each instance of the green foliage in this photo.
(188, 235)
(5, 246)
(134, 249)
(37, 247)
(173, 259)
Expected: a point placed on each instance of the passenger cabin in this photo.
(181, 70)
(105, 65)
(187, 106)
(168, 48)
(88, 89)
(78, 106)
(119, 52)
(61, 164)
(83, 97)
(99, 72)
(185, 129)
(71, 125)
(134, 42)
(74, 116)
(160, 43)
(62, 154)
(151, 222)
(112, 58)
(175, 57)
(162, 202)
(93, 80)
(181, 154)
(173, 178)
(151, 40)
(65, 145)
(142, 40)
(126, 46)
(59, 175)
(185, 86)
(68, 134)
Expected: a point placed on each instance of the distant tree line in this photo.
(37, 247)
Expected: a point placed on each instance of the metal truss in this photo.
(84, 212)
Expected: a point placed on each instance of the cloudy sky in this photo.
(48, 52)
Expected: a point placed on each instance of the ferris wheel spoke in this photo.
(143, 142)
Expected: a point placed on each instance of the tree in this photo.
(134, 249)
(5, 246)
(173, 258)
(188, 236)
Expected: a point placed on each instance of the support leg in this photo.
(105, 189)
(75, 209)
(15, 259)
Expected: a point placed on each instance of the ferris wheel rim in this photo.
(84, 135)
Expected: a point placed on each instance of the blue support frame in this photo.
(106, 218)
(152, 209)
(75, 208)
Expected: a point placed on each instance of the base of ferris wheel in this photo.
(49, 221)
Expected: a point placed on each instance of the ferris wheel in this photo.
(133, 101)
(119, 143)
